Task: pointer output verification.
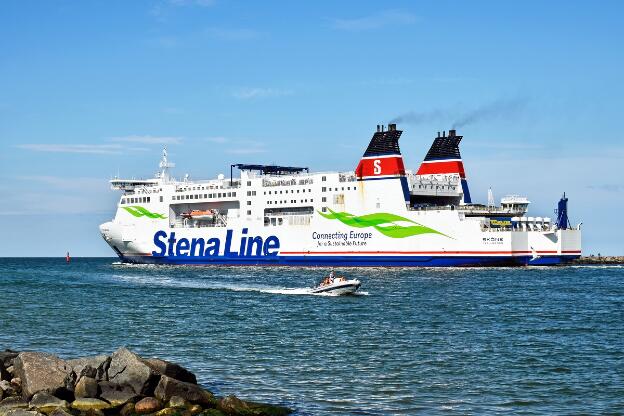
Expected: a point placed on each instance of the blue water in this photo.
(418, 341)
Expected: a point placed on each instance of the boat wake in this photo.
(154, 281)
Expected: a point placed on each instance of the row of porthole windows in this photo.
(436, 187)
(292, 191)
(324, 189)
(292, 201)
(206, 196)
(141, 200)
(199, 188)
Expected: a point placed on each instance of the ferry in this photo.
(379, 214)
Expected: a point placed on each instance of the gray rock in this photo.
(172, 370)
(79, 365)
(60, 411)
(86, 404)
(169, 387)
(147, 405)
(23, 412)
(116, 394)
(4, 373)
(233, 406)
(86, 387)
(7, 388)
(177, 401)
(127, 409)
(7, 357)
(42, 372)
(194, 409)
(128, 368)
(171, 411)
(46, 403)
(12, 403)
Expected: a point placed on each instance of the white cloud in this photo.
(218, 139)
(74, 183)
(102, 149)
(148, 139)
(254, 93)
(375, 21)
(607, 187)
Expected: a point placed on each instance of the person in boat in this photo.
(331, 277)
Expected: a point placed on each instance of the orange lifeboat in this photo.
(197, 214)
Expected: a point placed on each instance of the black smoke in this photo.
(503, 107)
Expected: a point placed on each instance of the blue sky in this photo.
(92, 89)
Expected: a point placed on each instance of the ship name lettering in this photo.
(170, 245)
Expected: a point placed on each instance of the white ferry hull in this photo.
(378, 215)
(302, 247)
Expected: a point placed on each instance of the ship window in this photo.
(323, 178)
(248, 202)
(311, 200)
(253, 193)
(248, 193)
(324, 189)
(233, 193)
(324, 209)
(324, 199)
(248, 183)
(298, 190)
(248, 212)
(343, 188)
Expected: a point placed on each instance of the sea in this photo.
(525, 341)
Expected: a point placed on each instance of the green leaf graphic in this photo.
(139, 211)
(383, 222)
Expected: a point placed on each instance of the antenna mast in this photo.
(165, 165)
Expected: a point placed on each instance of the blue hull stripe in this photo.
(359, 261)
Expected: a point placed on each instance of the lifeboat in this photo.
(200, 214)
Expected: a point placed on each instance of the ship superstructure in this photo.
(380, 214)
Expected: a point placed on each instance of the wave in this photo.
(159, 281)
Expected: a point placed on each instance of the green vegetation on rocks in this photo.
(122, 384)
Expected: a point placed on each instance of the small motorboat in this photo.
(338, 286)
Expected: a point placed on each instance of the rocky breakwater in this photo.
(124, 384)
